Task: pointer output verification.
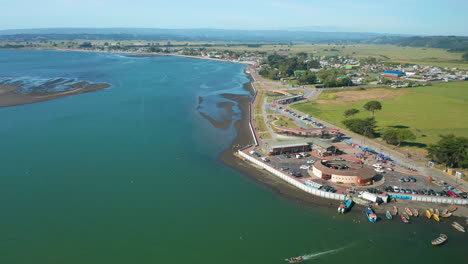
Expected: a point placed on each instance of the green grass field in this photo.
(429, 111)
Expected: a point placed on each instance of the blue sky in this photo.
(426, 17)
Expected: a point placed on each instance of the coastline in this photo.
(286, 190)
(262, 177)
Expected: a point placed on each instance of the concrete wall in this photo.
(292, 181)
(431, 199)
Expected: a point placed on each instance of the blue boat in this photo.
(345, 205)
(371, 215)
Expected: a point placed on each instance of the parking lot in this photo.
(395, 181)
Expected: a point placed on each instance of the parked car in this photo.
(265, 159)
(284, 168)
(396, 189)
(304, 167)
(412, 179)
(338, 158)
(311, 161)
(295, 174)
(451, 193)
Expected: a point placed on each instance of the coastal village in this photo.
(322, 159)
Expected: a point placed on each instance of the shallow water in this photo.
(131, 174)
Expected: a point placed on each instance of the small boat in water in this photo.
(416, 212)
(452, 209)
(371, 216)
(458, 227)
(404, 219)
(389, 215)
(345, 205)
(436, 217)
(408, 211)
(395, 210)
(440, 240)
(295, 260)
(447, 215)
(428, 214)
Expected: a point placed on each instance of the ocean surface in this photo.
(131, 174)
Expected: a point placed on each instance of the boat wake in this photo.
(318, 254)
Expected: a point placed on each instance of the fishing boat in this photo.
(432, 210)
(447, 215)
(371, 215)
(345, 205)
(436, 217)
(408, 211)
(452, 209)
(458, 227)
(416, 212)
(406, 215)
(389, 215)
(437, 211)
(444, 211)
(395, 210)
(295, 259)
(428, 214)
(404, 219)
(440, 240)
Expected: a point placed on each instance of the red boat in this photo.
(404, 219)
(295, 260)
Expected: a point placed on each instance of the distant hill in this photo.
(450, 43)
(183, 35)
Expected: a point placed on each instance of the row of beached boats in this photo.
(436, 214)
(405, 216)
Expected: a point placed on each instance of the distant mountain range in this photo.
(452, 43)
(188, 34)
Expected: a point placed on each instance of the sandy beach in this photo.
(10, 97)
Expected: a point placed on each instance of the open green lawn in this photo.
(429, 111)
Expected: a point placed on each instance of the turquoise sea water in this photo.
(131, 174)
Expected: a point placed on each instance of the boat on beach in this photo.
(445, 211)
(440, 240)
(446, 215)
(437, 211)
(416, 212)
(436, 217)
(432, 210)
(295, 259)
(458, 227)
(428, 214)
(345, 205)
(452, 209)
(395, 210)
(406, 215)
(403, 218)
(371, 216)
(389, 215)
(408, 211)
